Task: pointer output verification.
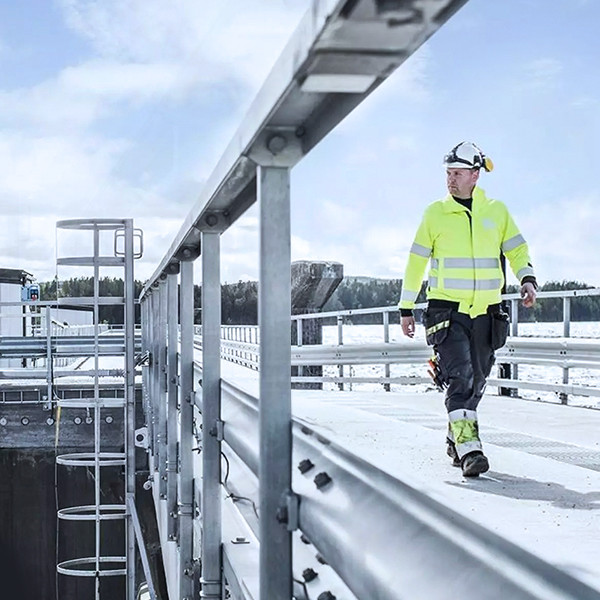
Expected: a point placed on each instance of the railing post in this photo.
(274, 301)
(172, 347)
(514, 313)
(145, 379)
(211, 416)
(564, 398)
(186, 481)
(49, 355)
(386, 340)
(299, 332)
(161, 388)
(154, 378)
(340, 341)
(129, 331)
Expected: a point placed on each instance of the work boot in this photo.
(474, 463)
(452, 453)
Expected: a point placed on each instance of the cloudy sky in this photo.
(121, 108)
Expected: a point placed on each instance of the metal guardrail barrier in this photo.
(239, 345)
(446, 553)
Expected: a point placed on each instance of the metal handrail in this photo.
(338, 41)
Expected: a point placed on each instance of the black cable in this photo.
(227, 471)
(303, 584)
(237, 498)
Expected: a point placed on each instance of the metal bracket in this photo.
(277, 147)
(210, 588)
(218, 430)
(293, 505)
(214, 221)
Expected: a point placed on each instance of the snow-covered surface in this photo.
(548, 506)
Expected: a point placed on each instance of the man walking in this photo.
(463, 237)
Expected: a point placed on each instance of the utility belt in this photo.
(435, 303)
(439, 315)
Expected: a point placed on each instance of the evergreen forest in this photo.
(239, 301)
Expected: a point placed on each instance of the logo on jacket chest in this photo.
(488, 224)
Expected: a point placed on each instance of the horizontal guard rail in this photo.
(559, 352)
(411, 542)
(37, 347)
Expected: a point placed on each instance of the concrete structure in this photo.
(313, 283)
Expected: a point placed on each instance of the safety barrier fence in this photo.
(240, 345)
(234, 512)
(340, 509)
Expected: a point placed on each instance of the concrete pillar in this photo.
(313, 283)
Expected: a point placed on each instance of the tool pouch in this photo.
(437, 325)
(500, 325)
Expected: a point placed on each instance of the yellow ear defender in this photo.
(488, 165)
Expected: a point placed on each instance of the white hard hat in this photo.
(467, 155)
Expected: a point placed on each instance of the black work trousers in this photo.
(466, 358)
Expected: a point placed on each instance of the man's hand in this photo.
(528, 294)
(408, 326)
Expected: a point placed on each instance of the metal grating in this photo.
(567, 453)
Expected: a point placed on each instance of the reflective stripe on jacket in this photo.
(463, 248)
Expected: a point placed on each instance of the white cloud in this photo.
(113, 80)
(542, 73)
(78, 96)
(232, 36)
(337, 219)
(410, 83)
(51, 164)
(563, 239)
(62, 175)
(378, 251)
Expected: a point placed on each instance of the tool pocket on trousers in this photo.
(500, 325)
(437, 325)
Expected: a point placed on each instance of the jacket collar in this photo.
(450, 205)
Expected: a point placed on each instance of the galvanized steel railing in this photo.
(230, 515)
(239, 344)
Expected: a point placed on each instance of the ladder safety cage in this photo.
(101, 514)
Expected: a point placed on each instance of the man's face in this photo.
(461, 182)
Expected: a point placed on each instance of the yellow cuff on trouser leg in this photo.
(465, 431)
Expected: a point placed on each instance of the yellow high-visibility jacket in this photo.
(463, 248)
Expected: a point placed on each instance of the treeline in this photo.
(239, 301)
(84, 286)
(354, 293)
(583, 308)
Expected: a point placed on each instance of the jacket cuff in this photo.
(530, 279)
(406, 312)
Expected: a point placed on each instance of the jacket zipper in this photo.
(472, 251)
